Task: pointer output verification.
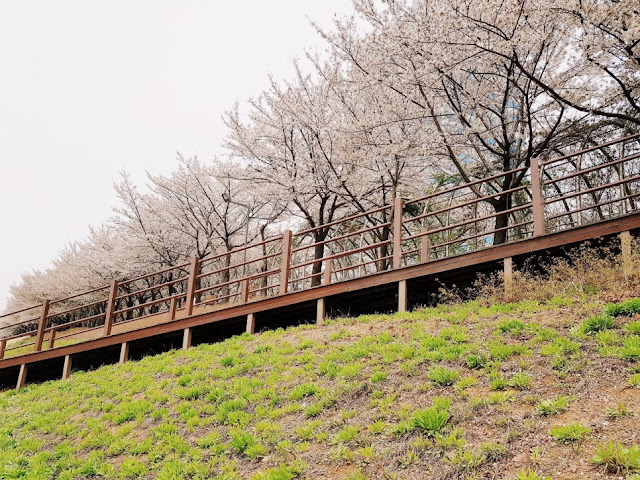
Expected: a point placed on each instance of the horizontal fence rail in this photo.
(549, 195)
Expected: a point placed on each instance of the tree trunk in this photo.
(384, 249)
(225, 277)
(318, 254)
(502, 220)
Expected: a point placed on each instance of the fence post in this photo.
(173, 305)
(508, 274)
(66, 369)
(397, 232)
(537, 199)
(124, 352)
(52, 339)
(194, 267)
(187, 336)
(22, 376)
(424, 246)
(244, 291)
(42, 324)
(251, 323)
(111, 305)
(285, 264)
(321, 310)
(327, 271)
(3, 346)
(402, 296)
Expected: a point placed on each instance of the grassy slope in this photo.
(352, 399)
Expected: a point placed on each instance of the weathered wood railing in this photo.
(587, 186)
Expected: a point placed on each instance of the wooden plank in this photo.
(491, 254)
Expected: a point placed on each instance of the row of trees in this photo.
(410, 97)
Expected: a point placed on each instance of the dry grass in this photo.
(585, 271)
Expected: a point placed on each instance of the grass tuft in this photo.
(569, 433)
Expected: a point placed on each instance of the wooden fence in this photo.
(591, 185)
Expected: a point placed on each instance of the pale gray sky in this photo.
(90, 88)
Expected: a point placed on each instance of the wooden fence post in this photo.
(508, 274)
(66, 369)
(244, 291)
(173, 304)
(321, 310)
(327, 272)
(194, 268)
(42, 324)
(251, 323)
(22, 376)
(3, 346)
(52, 338)
(397, 233)
(424, 246)
(187, 336)
(111, 305)
(285, 264)
(124, 352)
(402, 296)
(537, 199)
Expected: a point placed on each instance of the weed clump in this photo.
(597, 324)
(443, 376)
(631, 349)
(619, 411)
(569, 433)
(476, 361)
(433, 419)
(627, 308)
(616, 458)
(553, 406)
(530, 475)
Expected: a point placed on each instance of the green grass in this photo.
(619, 411)
(449, 388)
(569, 433)
(443, 376)
(553, 406)
(616, 457)
(627, 308)
(597, 324)
(433, 419)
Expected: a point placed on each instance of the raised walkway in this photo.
(390, 258)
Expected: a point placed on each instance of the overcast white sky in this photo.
(90, 88)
